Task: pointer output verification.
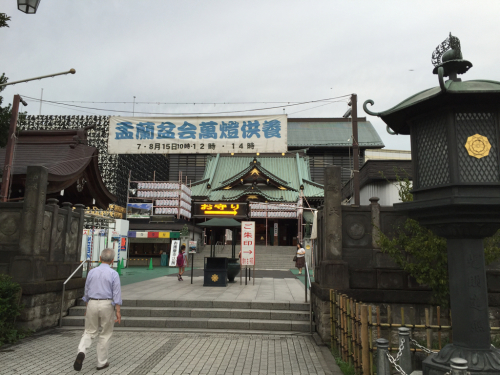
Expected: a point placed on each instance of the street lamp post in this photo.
(455, 137)
(28, 6)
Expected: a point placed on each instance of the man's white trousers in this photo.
(100, 314)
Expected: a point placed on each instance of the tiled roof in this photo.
(285, 168)
(331, 133)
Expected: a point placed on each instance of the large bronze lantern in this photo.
(454, 130)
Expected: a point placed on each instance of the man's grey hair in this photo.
(107, 255)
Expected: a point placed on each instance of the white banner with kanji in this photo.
(197, 135)
(248, 243)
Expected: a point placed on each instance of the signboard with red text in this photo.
(248, 243)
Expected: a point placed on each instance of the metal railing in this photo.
(307, 283)
(64, 290)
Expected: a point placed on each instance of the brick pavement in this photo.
(145, 353)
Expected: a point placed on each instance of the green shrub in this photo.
(346, 368)
(10, 309)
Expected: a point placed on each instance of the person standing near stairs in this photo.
(181, 262)
(103, 298)
(301, 260)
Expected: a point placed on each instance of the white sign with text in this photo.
(248, 243)
(174, 251)
(197, 135)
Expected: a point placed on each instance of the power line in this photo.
(329, 100)
(322, 105)
(173, 103)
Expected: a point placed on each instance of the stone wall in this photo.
(358, 268)
(40, 245)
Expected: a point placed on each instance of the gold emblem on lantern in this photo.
(215, 278)
(478, 146)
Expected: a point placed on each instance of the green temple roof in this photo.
(222, 171)
(331, 132)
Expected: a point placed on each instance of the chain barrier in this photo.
(394, 361)
(424, 349)
(396, 366)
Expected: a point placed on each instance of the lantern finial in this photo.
(448, 55)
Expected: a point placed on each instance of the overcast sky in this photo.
(240, 51)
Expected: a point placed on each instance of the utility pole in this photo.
(355, 147)
(9, 152)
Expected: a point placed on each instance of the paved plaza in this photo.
(266, 289)
(139, 350)
(143, 353)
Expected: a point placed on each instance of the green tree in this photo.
(421, 253)
(4, 19)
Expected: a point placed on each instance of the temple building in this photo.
(272, 188)
(277, 190)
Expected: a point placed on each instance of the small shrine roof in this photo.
(67, 158)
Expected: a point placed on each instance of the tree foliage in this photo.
(421, 253)
(4, 19)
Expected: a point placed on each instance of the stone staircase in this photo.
(207, 315)
(268, 258)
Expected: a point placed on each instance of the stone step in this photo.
(194, 330)
(209, 304)
(202, 323)
(204, 313)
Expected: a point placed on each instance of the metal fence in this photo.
(356, 336)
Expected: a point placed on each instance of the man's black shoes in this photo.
(79, 361)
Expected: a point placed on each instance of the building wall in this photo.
(320, 159)
(386, 191)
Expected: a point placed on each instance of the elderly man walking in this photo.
(103, 298)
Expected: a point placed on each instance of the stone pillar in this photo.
(469, 308)
(333, 213)
(29, 265)
(334, 271)
(66, 232)
(53, 256)
(375, 209)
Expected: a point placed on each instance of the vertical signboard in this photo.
(275, 229)
(174, 251)
(89, 245)
(248, 243)
(192, 247)
(123, 246)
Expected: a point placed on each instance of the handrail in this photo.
(64, 290)
(308, 280)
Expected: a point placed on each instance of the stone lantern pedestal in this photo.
(455, 133)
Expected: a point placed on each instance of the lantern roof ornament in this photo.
(448, 55)
(448, 62)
